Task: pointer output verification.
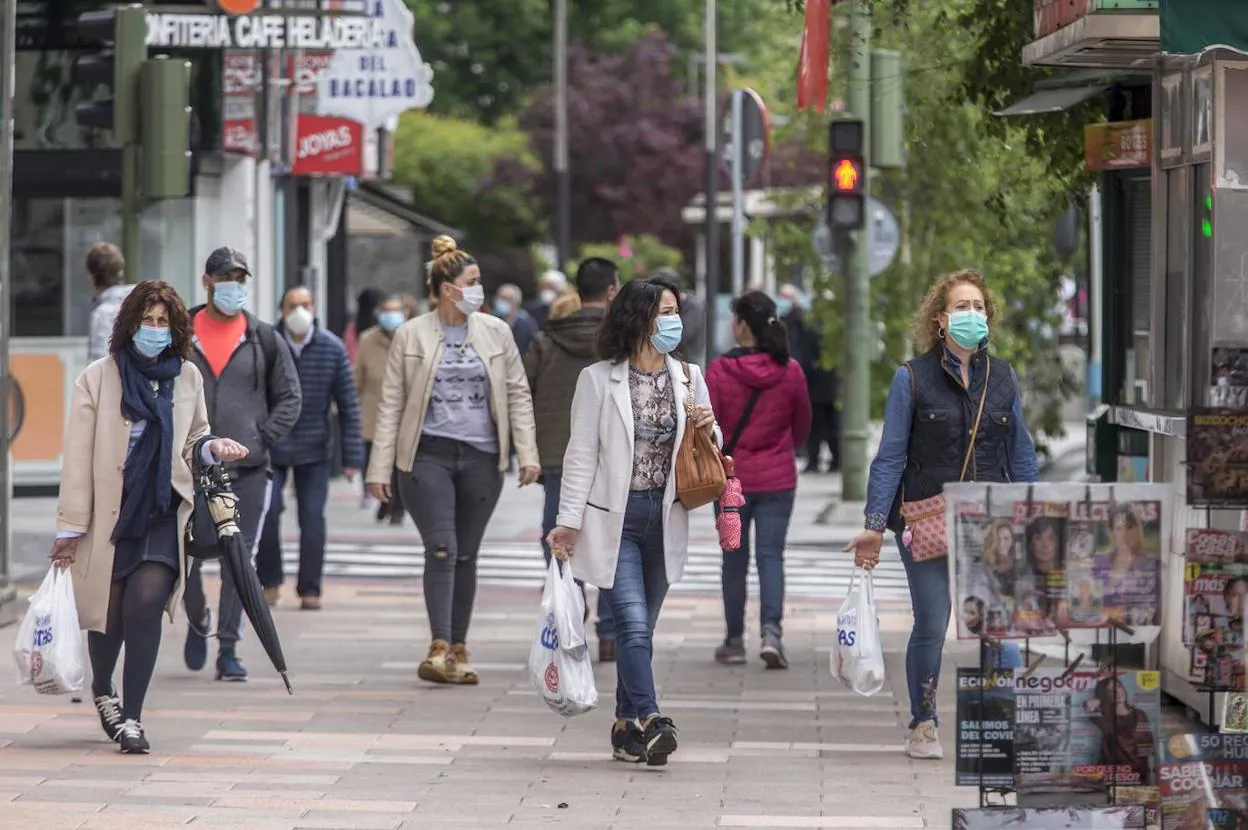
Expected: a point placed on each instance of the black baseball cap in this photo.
(224, 260)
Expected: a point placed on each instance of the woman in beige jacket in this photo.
(370, 371)
(454, 399)
(137, 420)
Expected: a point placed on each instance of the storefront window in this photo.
(51, 292)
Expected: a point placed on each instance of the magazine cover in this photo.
(1214, 600)
(1228, 381)
(1224, 818)
(985, 735)
(1189, 790)
(1204, 746)
(1235, 713)
(1147, 797)
(1037, 565)
(1084, 732)
(1217, 458)
(1123, 817)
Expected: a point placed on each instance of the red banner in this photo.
(328, 147)
(812, 63)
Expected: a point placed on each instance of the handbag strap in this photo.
(684, 365)
(983, 396)
(745, 417)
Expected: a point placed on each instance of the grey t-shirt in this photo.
(459, 406)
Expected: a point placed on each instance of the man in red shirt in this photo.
(252, 391)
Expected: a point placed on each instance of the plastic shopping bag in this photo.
(858, 659)
(48, 649)
(559, 664)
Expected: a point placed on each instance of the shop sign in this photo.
(376, 85)
(307, 69)
(328, 147)
(240, 83)
(218, 31)
(1118, 145)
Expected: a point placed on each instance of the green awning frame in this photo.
(1065, 91)
(1189, 27)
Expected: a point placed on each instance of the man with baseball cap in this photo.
(252, 391)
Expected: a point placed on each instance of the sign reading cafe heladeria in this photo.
(260, 31)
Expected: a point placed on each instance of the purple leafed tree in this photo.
(634, 146)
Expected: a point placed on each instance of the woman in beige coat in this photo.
(370, 371)
(454, 400)
(137, 419)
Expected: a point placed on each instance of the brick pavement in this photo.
(364, 745)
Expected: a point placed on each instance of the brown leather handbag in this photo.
(700, 473)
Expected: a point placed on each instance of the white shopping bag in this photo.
(48, 649)
(858, 658)
(562, 674)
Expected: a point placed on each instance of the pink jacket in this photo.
(764, 454)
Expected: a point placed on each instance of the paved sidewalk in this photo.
(364, 745)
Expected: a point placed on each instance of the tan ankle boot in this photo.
(439, 666)
(466, 675)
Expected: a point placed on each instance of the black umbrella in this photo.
(214, 494)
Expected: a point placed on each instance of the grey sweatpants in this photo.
(451, 494)
(251, 485)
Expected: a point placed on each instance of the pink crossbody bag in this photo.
(925, 534)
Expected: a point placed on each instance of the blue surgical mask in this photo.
(968, 328)
(502, 308)
(670, 330)
(150, 341)
(783, 306)
(390, 320)
(229, 297)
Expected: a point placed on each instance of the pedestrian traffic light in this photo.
(847, 175)
(120, 36)
(165, 128)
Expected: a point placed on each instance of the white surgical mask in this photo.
(548, 296)
(299, 321)
(470, 298)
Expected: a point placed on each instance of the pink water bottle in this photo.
(728, 522)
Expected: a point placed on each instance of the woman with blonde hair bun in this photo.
(454, 401)
(565, 306)
(954, 413)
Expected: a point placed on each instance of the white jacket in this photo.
(598, 470)
(103, 315)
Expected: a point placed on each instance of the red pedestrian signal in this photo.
(847, 176)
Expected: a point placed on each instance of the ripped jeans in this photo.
(451, 494)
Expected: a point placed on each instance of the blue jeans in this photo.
(550, 511)
(931, 602)
(635, 600)
(311, 496)
(769, 513)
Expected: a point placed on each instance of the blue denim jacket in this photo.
(890, 461)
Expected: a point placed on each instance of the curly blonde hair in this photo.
(927, 328)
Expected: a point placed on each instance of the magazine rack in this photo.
(1211, 692)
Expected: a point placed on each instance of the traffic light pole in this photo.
(131, 211)
(859, 333)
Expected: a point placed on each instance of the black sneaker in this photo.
(132, 739)
(626, 742)
(230, 668)
(109, 709)
(659, 737)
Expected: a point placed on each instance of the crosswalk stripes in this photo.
(824, 571)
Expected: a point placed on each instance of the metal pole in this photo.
(8, 47)
(738, 198)
(712, 181)
(563, 184)
(131, 212)
(859, 330)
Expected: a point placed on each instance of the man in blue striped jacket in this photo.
(304, 455)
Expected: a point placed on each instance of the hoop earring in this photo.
(940, 332)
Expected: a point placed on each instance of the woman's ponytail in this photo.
(758, 312)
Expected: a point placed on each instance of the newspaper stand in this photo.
(1211, 692)
(989, 652)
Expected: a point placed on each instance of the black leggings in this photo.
(134, 608)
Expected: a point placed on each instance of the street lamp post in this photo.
(8, 47)
(563, 184)
(712, 179)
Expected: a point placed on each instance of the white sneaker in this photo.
(924, 743)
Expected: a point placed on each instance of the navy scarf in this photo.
(147, 484)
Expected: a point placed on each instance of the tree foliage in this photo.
(636, 256)
(474, 177)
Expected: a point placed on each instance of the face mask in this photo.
(229, 297)
(470, 298)
(968, 328)
(502, 308)
(667, 337)
(548, 296)
(299, 321)
(803, 302)
(150, 341)
(783, 306)
(390, 320)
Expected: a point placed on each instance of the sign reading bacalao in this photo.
(260, 31)
(376, 84)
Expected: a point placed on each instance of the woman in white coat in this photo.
(618, 511)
